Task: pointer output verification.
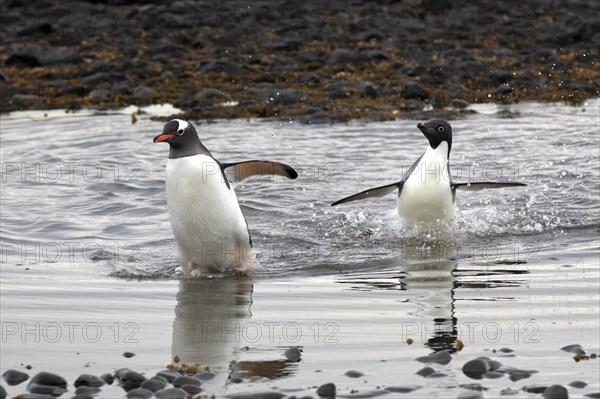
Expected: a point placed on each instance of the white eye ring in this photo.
(180, 132)
(440, 129)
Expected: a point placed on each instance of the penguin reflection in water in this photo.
(426, 193)
(210, 230)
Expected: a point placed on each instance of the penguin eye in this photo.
(441, 129)
(180, 132)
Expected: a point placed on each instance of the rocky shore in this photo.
(310, 62)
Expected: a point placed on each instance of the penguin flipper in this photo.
(371, 193)
(480, 185)
(246, 169)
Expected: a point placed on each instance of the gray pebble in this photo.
(425, 371)
(184, 380)
(473, 387)
(257, 395)
(108, 378)
(437, 375)
(45, 378)
(403, 389)
(556, 392)
(191, 389)
(353, 374)
(505, 350)
(595, 395)
(169, 375)
(205, 375)
(441, 357)
(130, 380)
(88, 380)
(86, 390)
(575, 348)
(476, 368)
(516, 375)
(140, 393)
(293, 354)
(470, 395)
(128, 355)
(493, 375)
(2, 392)
(509, 391)
(327, 390)
(14, 377)
(535, 388)
(171, 393)
(45, 389)
(578, 384)
(154, 384)
(98, 94)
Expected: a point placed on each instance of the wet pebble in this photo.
(88, 380)
(257, 395)
(509, 391)
(293, 354)
(128, 354)
(171, 393)
(108, 378)
(516, 375)
(184, 380)
(131, 380)
(205, 375)
(86, 390)
(191, 389)
(45, 389)
(441, 357)
(505, 350)
(14, 377)
(45, 378)
(556, 392)
(2, 392)
(168, 375)
(154, 384)
(470, 395)
(578, 384)
(140, 393)
(476, 368)
(595, 395)
(575, 348)
(353, 374)
(327, 390)
(537, 388)
(425, 371)
(473, 387)
(403, 389)
(493, 375)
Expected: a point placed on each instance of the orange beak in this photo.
(163, 137)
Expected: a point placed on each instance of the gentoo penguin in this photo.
(210, 230)
(426, 194)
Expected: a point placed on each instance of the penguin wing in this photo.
(371, 193)
(243, 170)
(480, 185)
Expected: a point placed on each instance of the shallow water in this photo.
(90, 269)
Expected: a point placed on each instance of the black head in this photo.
(182, 138)
(437, 131)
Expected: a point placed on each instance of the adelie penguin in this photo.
(210, 230)
(426, 193)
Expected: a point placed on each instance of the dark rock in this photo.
(509, 391)
(413, 90)
(86, 390)
(425, 372)
(460, 104)
(154, 384)
(45, 378)
(293, 354)
(517, 375)
(595, 395)
(505, 350)
(122, 88)
(556, 392)
(376, 55)
(501, 76)
(143, 91)
(185, 380)
(211, 95)
(327, 390)
(191, 389)
(473, 387)
(34, 55)
(44, 389)
(504, 88)
(309, 77)
(171, 393)
(369, 91)
(36, 29)
(353, 374)
(441, 357)
(131, 380)
(14, 377)
(493, 375)
(575, 348)
(256, 395)
(317, 118)
(3, 392)
(470, 395)
(535, 388)
(140, 393)
(344, 56)
(108, 378)
(578, 384)
(476, 368)
(98, 94)
(169, 375)
(222, 66)
(88, 380)
(25, 98)
(403, 389)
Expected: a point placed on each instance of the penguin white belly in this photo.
(426, 197)
(208, 224)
